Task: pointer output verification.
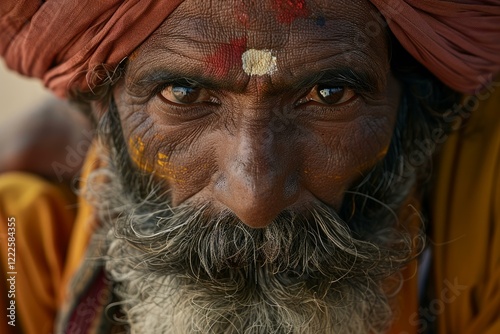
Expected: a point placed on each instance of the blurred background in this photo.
(37, 130)
(17, 93)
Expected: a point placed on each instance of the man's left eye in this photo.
(329, 95)
(179, 94)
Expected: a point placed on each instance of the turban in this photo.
(74, 44)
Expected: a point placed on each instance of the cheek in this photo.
(338, 155)
(174, 155)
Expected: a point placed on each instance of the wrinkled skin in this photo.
(260, 144)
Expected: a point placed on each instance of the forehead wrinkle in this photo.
(190, 38)
(215, 22)
(204, 31)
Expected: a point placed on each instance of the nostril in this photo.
(256, 206)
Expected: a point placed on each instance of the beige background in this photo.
(18, 93)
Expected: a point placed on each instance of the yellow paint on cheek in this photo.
(164, 168)
(136, 147)
(169, 171)
(163, 160)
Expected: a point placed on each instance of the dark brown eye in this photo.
(330, 95)
(178, 94)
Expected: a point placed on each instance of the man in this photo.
(262, 167)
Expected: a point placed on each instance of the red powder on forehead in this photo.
(289, 10)
(225, 57)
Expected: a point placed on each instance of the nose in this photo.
(258, 177)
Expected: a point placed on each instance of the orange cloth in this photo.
(458, 41)
(76, 43)
(44, 215)
(466, 224)
(66, 42)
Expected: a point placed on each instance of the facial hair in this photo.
(189, 269)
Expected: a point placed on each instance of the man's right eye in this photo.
(179, 94)
(329, 95)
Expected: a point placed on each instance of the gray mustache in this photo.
(312, 246)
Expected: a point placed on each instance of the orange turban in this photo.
(65, 42)
(68, 43)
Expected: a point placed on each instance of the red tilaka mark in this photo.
(225, 57)
(288, 11)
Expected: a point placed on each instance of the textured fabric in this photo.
(66, 42)
(44, 214)
(458, 41)
(466, 225)
(74, 44)
(85, 290)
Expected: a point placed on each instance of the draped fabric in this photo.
(75, 44)
(66, 42)
(458, 41)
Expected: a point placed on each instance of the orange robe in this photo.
(44, 215)
(466, 225)
(465, 239)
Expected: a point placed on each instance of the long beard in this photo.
(190, 270)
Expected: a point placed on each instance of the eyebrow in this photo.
(162, 75)
(359, 79)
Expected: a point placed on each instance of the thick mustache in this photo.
(316, 243)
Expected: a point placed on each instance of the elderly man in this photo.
(263, 167)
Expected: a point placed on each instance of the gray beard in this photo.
(184, 270)
(216, 276)
(191, 270)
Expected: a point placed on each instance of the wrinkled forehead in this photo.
(268, 21)
(218, 32)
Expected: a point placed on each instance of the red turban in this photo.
(65, 42)
(68, 43)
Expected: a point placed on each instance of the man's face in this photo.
(246, 130)
(260, 107)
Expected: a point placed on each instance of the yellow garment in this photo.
(465, 237)
(466, 225)
(44, 215)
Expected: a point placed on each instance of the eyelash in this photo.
(320, 109)
(190, 112)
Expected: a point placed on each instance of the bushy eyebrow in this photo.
(358, 79)
(157, 76)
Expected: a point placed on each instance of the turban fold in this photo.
(69, 43)
(66, 42)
